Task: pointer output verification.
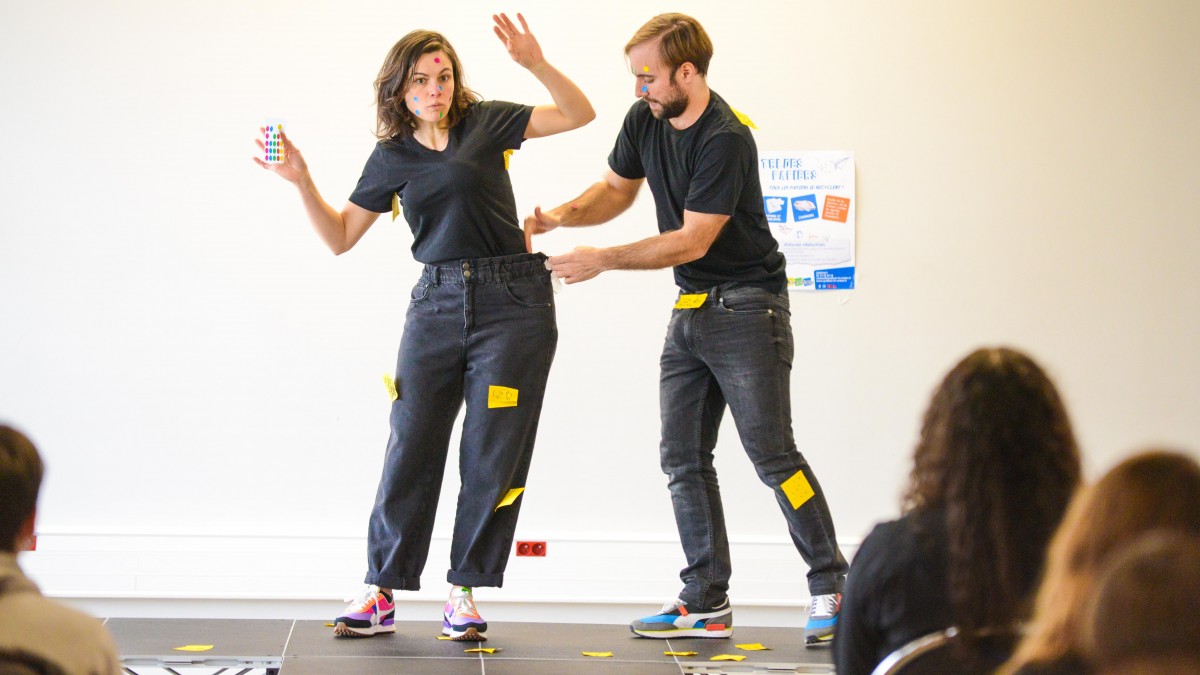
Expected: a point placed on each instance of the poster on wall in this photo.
(809, 199)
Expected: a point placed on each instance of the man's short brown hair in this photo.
(683, 41)
(20, 479)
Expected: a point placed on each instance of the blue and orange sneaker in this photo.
(675, 621)
(460, 619)
(822, 619)
(371, 612)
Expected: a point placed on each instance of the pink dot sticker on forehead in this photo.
(437, 59)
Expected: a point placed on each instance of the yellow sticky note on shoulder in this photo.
(742, 118)
(797, 489)
(691, 300)
(395, 205)
(393, 392)
(507, 157)
(509, 498)
(502, 397)
(193, 648)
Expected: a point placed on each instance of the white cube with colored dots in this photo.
(272, 143)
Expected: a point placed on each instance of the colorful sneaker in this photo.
(460, 619)
(675, 621)
(822, 619)
(370, 612)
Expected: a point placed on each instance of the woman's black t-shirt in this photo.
(459, 202)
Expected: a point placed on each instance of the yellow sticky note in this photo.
(193, 648)
(329, 625)
(396, 205)
(509, 498)
(481, 650)
(393, 392)
(502, 397)
(444, 637)
(797, 490)
(728, 657)
(756, 647)
(600, 655)
(691, 300)
(742, 118)
(507, 156)
(680, 653)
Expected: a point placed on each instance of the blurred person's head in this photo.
(1153, 490)
(996, 456)
(20, 480)
(1143, 615)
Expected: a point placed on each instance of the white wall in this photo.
(193, 363)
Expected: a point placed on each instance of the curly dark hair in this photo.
(393, 118)
(998, 458)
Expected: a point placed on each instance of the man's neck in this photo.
(697, 104)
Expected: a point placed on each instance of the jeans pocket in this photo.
(419, 293)
(748, 301)
(533, 292)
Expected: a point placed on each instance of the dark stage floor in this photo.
(308, 647)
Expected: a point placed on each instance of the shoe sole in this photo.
(469, 635)
(683, 633)
(344, 631)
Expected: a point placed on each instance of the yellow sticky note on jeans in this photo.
(509, 498)
(691, 300)
(502, 397)
(797, 489)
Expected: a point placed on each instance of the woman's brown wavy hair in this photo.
(997, 456)
(393, 118)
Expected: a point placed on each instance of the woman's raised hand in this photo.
(292, 168)
(523, 47)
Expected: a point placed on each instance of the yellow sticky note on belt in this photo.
(691, 300)
(502, 397)
(797, 489)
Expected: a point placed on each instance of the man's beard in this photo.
(672, 107)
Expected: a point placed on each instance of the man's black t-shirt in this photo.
(710, 167)
(459, 202)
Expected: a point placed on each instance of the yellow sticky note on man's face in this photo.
(691, 300)
(509, 498)
(797, 489)
(502, 397)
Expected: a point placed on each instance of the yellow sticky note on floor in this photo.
(756, 647)
(481, 650)
(680, 653)
(797, 490)
(502, 397)
(691, 300)
(728, 657)
(193, 648)
(393, 392)
(600, 655)
(395, 205)
(444, 637)
(509, 498)
(742, 118)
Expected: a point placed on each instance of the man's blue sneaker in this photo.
(822, 619)
(675, 621)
